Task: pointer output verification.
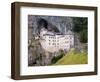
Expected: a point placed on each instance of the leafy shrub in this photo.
(56, 58)
(83, 36)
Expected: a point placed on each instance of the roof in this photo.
(53, 33)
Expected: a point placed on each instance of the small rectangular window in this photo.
(52, 43)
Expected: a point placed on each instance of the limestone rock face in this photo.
(56, 23)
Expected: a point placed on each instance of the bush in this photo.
(55, 59)
(83, 36)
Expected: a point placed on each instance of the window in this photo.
(70, 37)
(53, 43)
(66, 37)
(66, 42)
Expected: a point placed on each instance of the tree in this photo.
(83, 36)
(80, 27)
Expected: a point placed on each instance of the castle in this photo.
(53, 42)
(46, 42)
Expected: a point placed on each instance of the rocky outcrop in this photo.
(56, 23)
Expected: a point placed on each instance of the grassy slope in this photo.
(73, 58)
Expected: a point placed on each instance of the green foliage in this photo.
(80, 27)
(56, 58)
(79, 24)
(83, 36)
(73, 57)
